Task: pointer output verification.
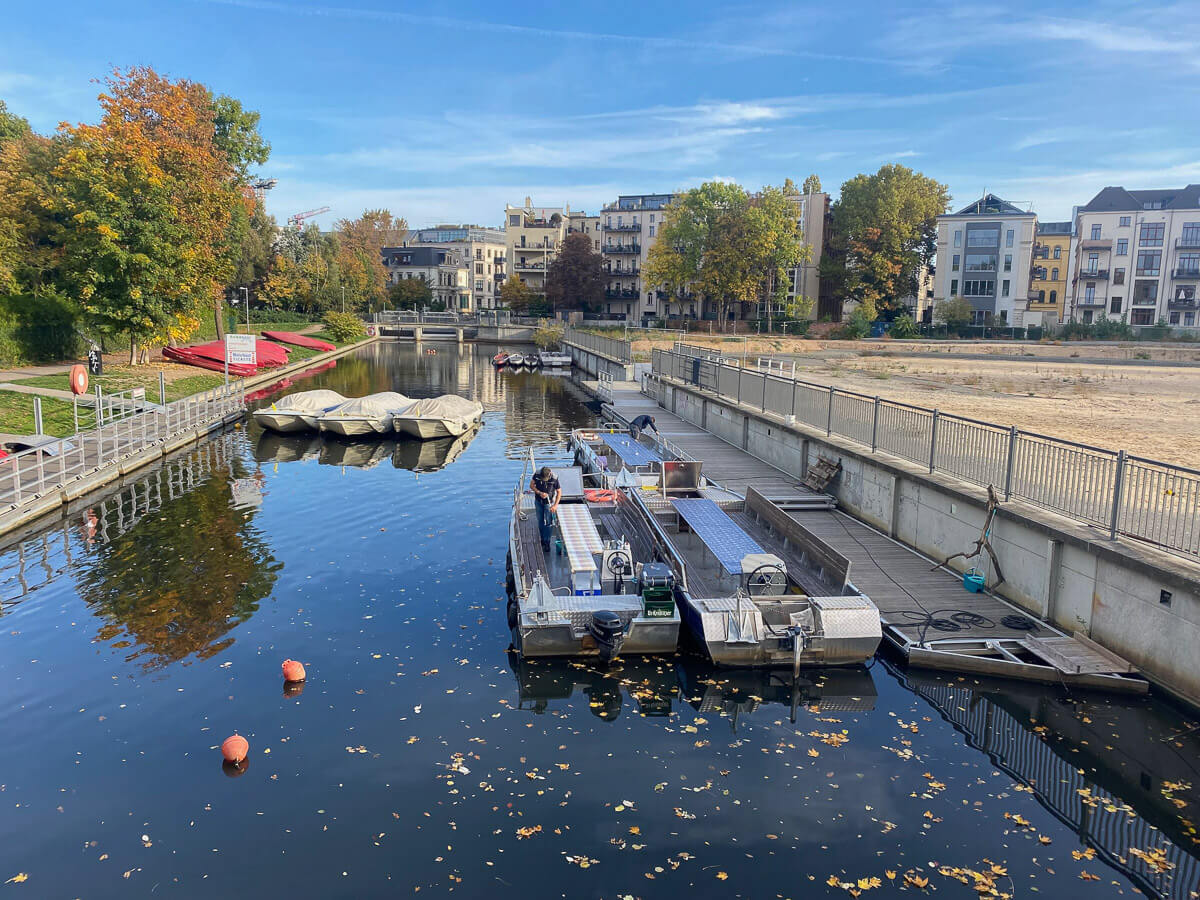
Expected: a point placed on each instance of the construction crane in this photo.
(261, 186)
(297, 220)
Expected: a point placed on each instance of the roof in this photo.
(990, 205)
(1118, 199)
(1048, 228)
(419, 256)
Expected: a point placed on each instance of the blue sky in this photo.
(445, 112)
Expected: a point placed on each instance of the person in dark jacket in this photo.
(546, 494)
(640, 424)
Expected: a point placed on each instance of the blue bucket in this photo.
(973, 580)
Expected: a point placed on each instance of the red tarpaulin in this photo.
(212, 356)
(299, 340)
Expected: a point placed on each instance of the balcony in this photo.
(1093, 275)
(622, 248)
(1184, 303)
(612, 294)
(1188, 243)
(529, 266)
(623, 273)
(1189, 273)
(1090, 302)
(1096, 244)
(624, 226)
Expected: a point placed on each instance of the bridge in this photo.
(487, 326)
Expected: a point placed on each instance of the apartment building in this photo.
(629, 228)
(582, 223)
(1137, 257)
(984, 254)
(1050, 273)
(445, 271)
(812, 213)
(481, 250)
(532, 238)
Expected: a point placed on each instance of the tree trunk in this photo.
(219, 313)
(133, 350)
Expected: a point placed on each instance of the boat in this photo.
(551, 359)
(516, 360)
(298, 340)
(500, 360)
(758, 588)
(298, 412)
(604, 589)
(438, 417)
(211, 356)
(430, 456)
(611, 456)
(367, 415)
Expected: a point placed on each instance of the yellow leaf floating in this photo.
(721, 876)
(19, 878)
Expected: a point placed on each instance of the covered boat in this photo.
(299, 411)
(438, 417)
(551, 359)
(606, 587)
(371, 414)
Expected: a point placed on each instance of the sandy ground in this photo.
(1149, 408)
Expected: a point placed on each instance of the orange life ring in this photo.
(79, 379)
(596, 495)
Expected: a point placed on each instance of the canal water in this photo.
(422, 757)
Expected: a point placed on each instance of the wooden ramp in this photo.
(927, 613)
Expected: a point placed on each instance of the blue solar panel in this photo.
(720, 533)
(631, 452)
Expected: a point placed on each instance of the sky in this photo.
(444, 113)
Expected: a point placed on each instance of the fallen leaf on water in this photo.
(721, 876)
(18, 878)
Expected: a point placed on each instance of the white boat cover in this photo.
(308, 401)
(381, 406)
(457, 413)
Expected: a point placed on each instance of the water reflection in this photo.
(404, 453)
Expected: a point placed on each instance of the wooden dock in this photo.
(927, 613)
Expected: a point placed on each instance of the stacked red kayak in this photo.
(212, 356)
(298, 340)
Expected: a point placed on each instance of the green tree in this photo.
(236, 136)
(515, 294)
(12, 126)
(903, 327)
(575, 279)
(410, 293)
(883, 231)
(954, 313)
(812, 184)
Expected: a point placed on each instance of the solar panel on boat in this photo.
(631, 452)
(579, 535)
(720, 533)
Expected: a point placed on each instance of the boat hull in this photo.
(353, 426)
(646, 637)
(282, 421)
(425, 429)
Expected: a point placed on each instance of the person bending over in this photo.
(546, 494)
(640, 424)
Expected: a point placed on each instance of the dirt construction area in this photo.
(1139, 397)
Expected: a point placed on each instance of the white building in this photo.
(482, 253)
(984, 253)
(443, 270)
(811, 213)
(532, 238)
(629, 228)
(1137, 257)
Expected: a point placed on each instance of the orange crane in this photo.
(297, 220)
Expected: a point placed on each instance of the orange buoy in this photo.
(79, 379)
(292, 670)
(234, 748)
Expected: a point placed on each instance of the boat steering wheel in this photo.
(754, 579)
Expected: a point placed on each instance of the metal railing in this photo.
(614, 348)
(1121, 493)
(126, 430)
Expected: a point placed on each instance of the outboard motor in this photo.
(605, 629)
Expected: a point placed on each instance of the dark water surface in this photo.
(420, 756)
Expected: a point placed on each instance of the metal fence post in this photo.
(829, 414)
(162, 389)
(1118, 496)
(99, 406)
(764, 400)
(739, 381)
(37, 415)
(1012, 457)
(792, 409)
(875, 426)
(933, 441)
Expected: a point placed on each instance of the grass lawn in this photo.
(16, 414)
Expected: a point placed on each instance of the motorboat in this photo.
(605, 588)
(430, 456)
(367, 415)
(551, 359)
(757, 587)
(500, 360)
(615, 459)
(438, 417)
(516, 360)
(298, 412)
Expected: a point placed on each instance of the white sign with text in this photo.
(240, 349)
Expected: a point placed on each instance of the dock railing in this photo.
(614, 348)
(1121, 493)
(122, 430)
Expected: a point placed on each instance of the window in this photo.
(1041, 297)
(980, 288)
(1119, 275)
(1148, 262)
(479, 253)
(651, 217)
(1089, 293)
(1095, 232)
(1124, 222)
(652, 228)
(1152, 204)
(1145, 292)
(958, 239)
(479, 284)
(1008, 239)
(1058, 252)
(954, 263)
(1054, 274)
(1053, 297)
(1141, 317)
(1151, 234)
(1093, 263)
(1087, 317)
(1114, 305)
(981, 262)
(1122, 246)
(1007, 262)
(1188, 264)
(608, 221)
(1186, 293)
(1191, 234)
(479, 268)
(983, 237)
(953, 287)
(515, 221)
(1004, 288)
(1189, 319)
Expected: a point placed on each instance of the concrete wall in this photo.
(596, 363)
(1055, 568)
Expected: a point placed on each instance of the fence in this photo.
(1124, 494)
(614, 348)
(123, 430)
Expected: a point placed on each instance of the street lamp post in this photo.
(343, 298)
(246, 294)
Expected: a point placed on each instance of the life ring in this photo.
(370, 331)
(597, 495)
(79, 379)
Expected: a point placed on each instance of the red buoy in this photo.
(292, 670)
(234, 748)
(79, 379)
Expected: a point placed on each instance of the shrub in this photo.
(37, 329)
(344, 326)
(903, 327)
(856, 326)
(548, 335)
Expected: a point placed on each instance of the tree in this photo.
(410, 293)
(149, 199)
(812, 184)
(575, 279)
(360, 254)
(954, 313)
(29, 229)
(883, 231)
(12, 126)
(235, 135)
(515, 294)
